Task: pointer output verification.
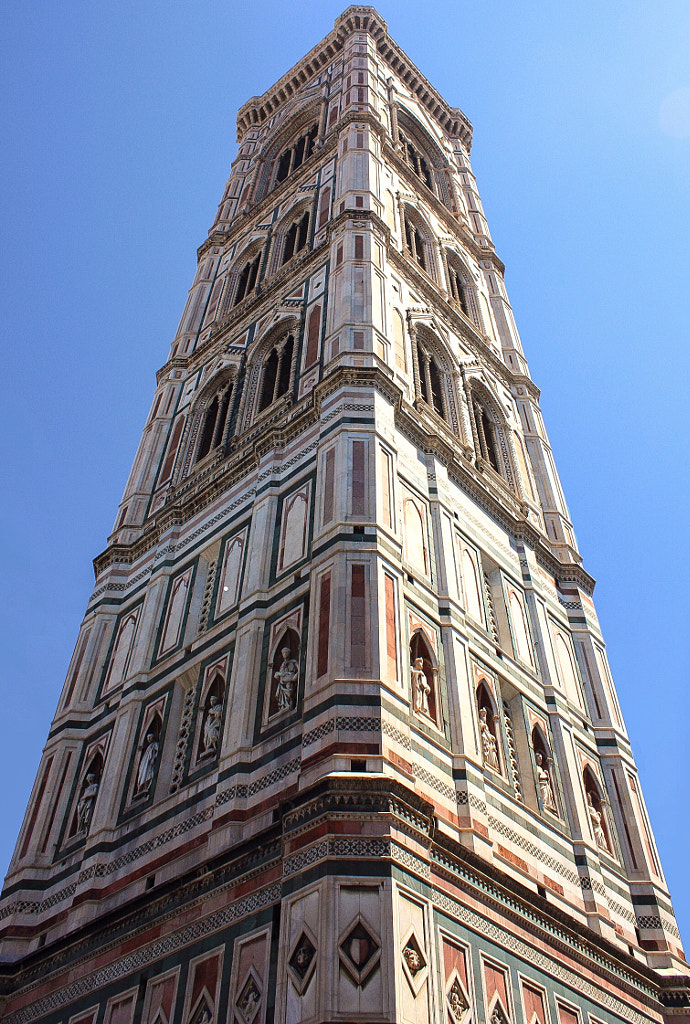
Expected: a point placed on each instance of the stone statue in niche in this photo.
(597, 827)
(544, 780)
(86, 804)
(420, 687)
(286, 679)
(147, 764)
(489, 745)
(212, 723)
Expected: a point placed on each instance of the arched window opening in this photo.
(457, 289)
(423, 677)
(596, 811)
(208, 428)
(148, 757)
(295, 155)
(212, 719)
(436, 387)
(284, 674)
(277, 373)
(486, 435)
(415, 161)
(431, 388)
(544, 772)
(248, 278)
(415, 243)
(215, 418)
(296, 237)
(488, 729)
(88, 791)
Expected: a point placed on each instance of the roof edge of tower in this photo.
(355, 18)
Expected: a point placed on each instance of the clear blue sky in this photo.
(118, 129)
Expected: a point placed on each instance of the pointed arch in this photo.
(211, 419)
(271, 371)
(243, 275)
(423, 156)
(418, 241)
(490, 432)
(289, 148)
(461, 287)
(291, 235)
(434, 375)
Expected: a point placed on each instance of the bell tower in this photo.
(339, 740)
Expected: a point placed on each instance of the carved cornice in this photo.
(355, 19)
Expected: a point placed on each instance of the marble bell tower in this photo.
(339, 741)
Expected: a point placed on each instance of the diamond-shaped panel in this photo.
(457, 1003)
(302, 962)
(248, 1003)
(359, 952)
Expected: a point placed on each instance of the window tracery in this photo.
(418, 242)
(294, 155)
(434, 381)
(296, 237)
(415, 159)
(460, 287)
(489, 433)
(248, 279)
(276, 373)
(214, 415)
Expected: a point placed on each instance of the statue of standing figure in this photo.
(147, 764)
(86, 804)
(544, 779)
(597, 827)
(212, 724)
(286, 679)
(489, 745)
(420, 687)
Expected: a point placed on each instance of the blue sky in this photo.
(117, 131)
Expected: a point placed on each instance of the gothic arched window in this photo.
(415, 160)
(417, 243)
(295, 154)
(296, 237)
(247, 280)
(433, 375)
(214, 420)
(491, 437)
(277, 372)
